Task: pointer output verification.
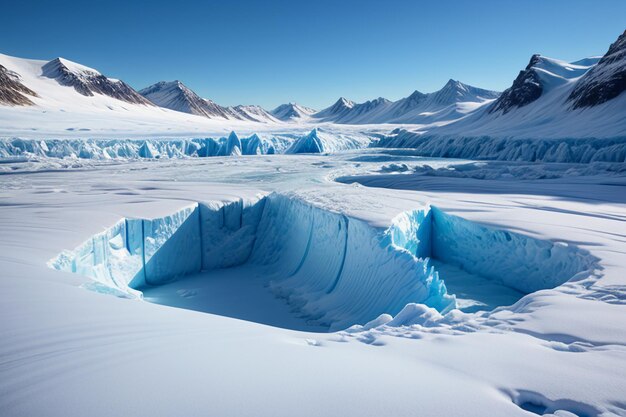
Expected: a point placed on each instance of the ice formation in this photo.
(317, 141)
(576, 150)
(322, 141)
(332, 270)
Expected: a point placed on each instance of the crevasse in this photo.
(332, 270)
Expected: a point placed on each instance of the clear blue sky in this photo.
(312, 52)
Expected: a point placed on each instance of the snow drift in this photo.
(331, 269)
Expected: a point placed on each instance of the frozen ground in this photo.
(67, 350)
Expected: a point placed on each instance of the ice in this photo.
(321, 141)
(171, 246)
(530, 264)
(232, 146)
(332, 270)
(577, 150)
(317, 141)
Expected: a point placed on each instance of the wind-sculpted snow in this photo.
(332, 270)
(508, 149)
(257, 144)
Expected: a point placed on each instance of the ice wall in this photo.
(112, 259)
(228, 232)
(521, 262)
(233, 145)
(171, 247)
(336, 271)
(508, 149)
(333, 270)
(323, 141)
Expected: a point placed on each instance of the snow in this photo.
(457, 111)
(551, 116)
(301, 261)
(317, 141)
(558, 349)
(66, 113)
(322, 141)
(76, 67)
(450, 103)
(292, 112)
(567, 149)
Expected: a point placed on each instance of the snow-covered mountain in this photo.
(60, 98)
(12, 91)
(175, 95)
(551, 98)
(554, 111)
(292, 112)
(605, 81)
(252, 113)
(87, 81)
(453, 101)
(541, 76)
(337, 111)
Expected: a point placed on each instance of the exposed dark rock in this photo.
(525, 89)
(175, 95)
(12, 91)
(605, 81)
(89, 82)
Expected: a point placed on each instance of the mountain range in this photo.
(549, 97)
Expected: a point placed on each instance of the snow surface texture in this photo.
(560, 350)
(333, 270)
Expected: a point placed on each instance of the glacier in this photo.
(317, 141)
(574, 150)
(330, 269)
(323, 141)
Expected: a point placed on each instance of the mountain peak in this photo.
(526, 88)
(291, 111)
(534, 60)
(606, 80)
(175, 95)
(88, 82)
(455, 91)
(74, 67)
(344, 102)
(617, 49)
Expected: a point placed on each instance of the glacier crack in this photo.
(280, 261)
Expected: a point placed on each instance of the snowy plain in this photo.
(469, 262)
(71, 351)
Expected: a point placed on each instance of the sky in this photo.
(310, 52)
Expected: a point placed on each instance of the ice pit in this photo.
(283, 262)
